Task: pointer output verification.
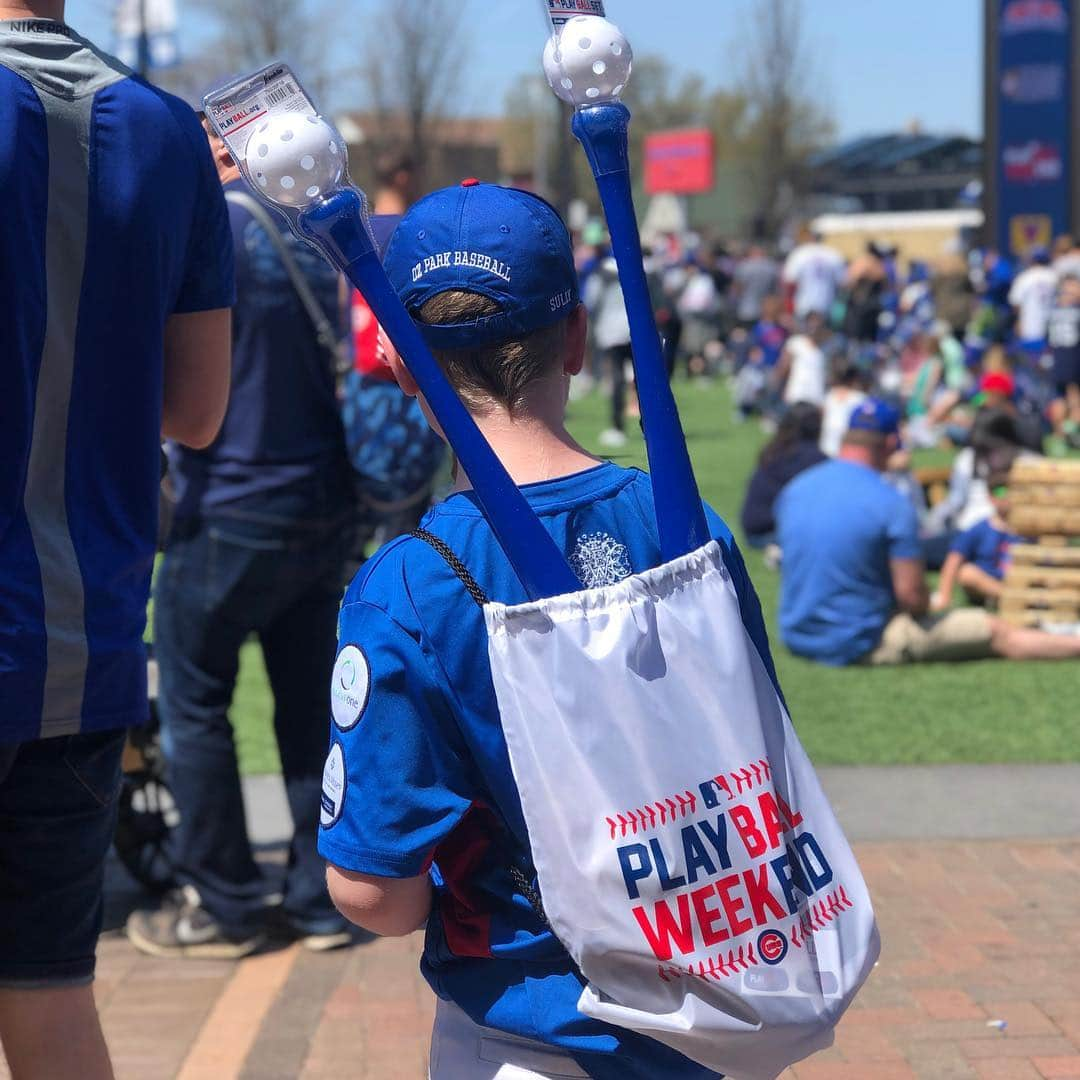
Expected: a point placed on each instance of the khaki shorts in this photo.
(963, 634)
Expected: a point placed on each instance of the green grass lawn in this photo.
(993, 711)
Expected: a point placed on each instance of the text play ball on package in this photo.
(588, 61)
(294, 159)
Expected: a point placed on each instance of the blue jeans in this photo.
(58, 802)
(276, 573)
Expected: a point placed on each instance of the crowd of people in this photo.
(843, 360)
(287, 452)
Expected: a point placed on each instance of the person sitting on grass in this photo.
(854, 589)
(848, 390)
(978, 558)
(793, 449)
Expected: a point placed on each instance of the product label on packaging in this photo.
(235, 110)
(562, 11)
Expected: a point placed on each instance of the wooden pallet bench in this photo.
(1042, 583)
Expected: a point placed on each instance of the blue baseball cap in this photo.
(877, 416)
(508, 245)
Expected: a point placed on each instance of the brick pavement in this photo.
(973, 932)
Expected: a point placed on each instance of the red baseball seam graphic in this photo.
(753, 775)
(717, 967)
(733, 784)
(819, 915)
(680, 805)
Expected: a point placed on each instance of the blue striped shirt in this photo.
(114, 221)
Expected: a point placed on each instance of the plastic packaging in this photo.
(588, 62)
(296, 162)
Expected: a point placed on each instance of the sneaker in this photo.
(612, 438)
(334, 934)
(325, 940)
(183, 927)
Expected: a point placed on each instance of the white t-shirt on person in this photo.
(1033, 294)
(816, 271)
(806, 376)
(840, 403)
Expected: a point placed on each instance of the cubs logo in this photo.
(772, 946)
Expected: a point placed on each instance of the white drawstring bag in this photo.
(686, 854)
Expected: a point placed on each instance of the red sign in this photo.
(679, 162)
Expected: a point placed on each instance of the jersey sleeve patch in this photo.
(334, 787)
(350, 687)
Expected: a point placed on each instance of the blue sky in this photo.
(879, 63)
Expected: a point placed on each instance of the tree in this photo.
(785, 122)
(244, 35)
(412, 69)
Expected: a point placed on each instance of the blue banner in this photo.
(1034, 94)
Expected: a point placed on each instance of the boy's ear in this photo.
(577, 332)
(402, 375)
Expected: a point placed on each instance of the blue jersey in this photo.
(282, 427)
(839, 525)
(114, 220)
(770, 338)
(987, 547)
(419, 775)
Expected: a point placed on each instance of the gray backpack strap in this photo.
(324, 330)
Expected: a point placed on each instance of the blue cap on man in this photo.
(877, 416)
(508, 245)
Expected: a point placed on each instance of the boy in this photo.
(421, 818)
(978, 557)
(768, 333)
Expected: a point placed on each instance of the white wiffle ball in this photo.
(294, 158)
(589, 61)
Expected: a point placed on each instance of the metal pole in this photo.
(144, 43)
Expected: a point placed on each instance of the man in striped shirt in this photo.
(116, 268)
